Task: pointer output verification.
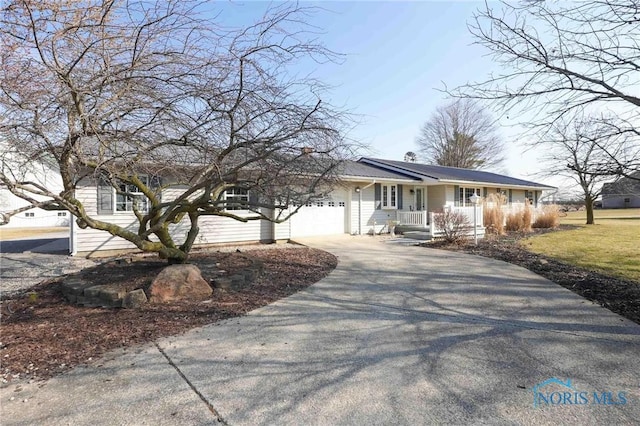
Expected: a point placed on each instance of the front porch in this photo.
(420, 224)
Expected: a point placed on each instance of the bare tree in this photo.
(149, 99)
(573, 151)
(461, 134)
(560, 58)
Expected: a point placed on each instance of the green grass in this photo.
(573, 217)
(611, 246)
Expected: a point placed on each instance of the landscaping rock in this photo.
(179, 282)
(134, 299)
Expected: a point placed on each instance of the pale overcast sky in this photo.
(397, 55)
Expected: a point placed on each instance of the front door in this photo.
(419, 202)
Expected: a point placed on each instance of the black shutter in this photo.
(510, 195)
(254, 199)
(377, 193)
(536, 193)
(399, 197)
(105, 197)
(484, 192)
(456, 195)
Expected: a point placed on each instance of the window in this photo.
(126, 196)
(29, 214)
(236, 199)
(627, 200)
(466, 194)
(62, 214)
(320, 203)
(340, 203)
(528, 195)
(129, 197)
(389, 196)
(331, 204)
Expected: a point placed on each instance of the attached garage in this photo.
(326, 217)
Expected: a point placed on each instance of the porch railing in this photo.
(468, 212)
(425, 219)
(413, 218)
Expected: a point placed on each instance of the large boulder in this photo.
(179, 282)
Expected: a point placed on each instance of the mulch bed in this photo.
(43, 335)
(616, 294)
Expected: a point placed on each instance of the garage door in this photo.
(325, 217)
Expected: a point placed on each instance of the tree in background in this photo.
(562, 58)
(573, 150)
(461, 134)
(147, 98)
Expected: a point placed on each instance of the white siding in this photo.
(213, 229)
(371, 220)
(517, 196)
(408, 199)
(436, 197)
(41, 174)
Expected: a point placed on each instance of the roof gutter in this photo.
(497, 185)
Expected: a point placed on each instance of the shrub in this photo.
(453, 225)
(493, 214)
(549, 217)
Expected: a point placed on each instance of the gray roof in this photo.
(623, 186)
(359, 169)
(452, 173)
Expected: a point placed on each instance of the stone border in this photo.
(79, 291)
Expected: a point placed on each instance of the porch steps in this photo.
(417, 235)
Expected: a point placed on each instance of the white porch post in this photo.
(475, 199)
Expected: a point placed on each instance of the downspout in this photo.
(373, 182)
(73, 243)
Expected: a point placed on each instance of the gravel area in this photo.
(19, 271)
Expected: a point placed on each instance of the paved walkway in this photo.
(395, 335)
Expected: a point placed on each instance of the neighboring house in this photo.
(38, 172)
(622, 194)
(373, 194)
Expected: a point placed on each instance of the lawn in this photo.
(16, 233)
(609, 246)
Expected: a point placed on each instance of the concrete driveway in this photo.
(395, 335)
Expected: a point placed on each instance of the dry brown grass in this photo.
(549, 217)
(17, 233)
(514, 221)
(520, 220)
(527, 217)
(493, 214)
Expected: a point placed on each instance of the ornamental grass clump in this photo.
(549, 217)
(493, 214)
(520, 220)
(527, 216)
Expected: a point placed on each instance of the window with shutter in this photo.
(125, 198)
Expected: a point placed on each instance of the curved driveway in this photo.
(395, 335)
